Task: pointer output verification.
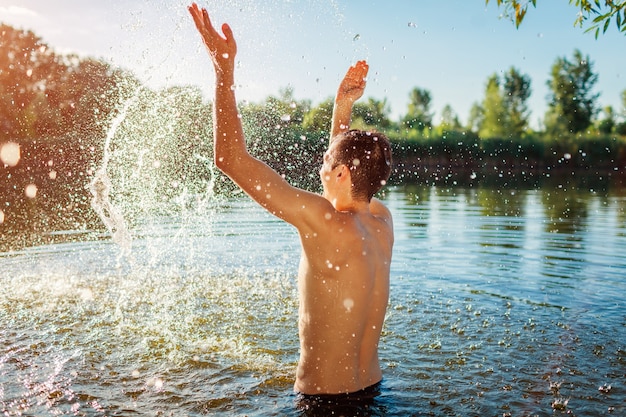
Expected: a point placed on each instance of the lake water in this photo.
(503, 302)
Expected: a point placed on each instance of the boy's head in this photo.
(368, 156)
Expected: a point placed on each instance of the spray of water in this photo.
(100, 188)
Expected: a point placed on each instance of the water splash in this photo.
(156, 163)
(100, 187)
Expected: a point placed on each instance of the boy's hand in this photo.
(353, 84)
(222, 49)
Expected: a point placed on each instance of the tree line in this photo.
(60, 110)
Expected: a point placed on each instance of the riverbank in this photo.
(46, 197)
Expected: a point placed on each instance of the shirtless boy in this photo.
(345, 233)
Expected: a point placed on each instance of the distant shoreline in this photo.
(63, 200)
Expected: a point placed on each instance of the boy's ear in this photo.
(343, 173)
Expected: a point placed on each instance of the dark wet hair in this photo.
(368, 156)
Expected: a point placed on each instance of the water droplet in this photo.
(348, 303)
(52, 175)
(157, 383)
(10, 153)
(85, 294)
(356, 162)
(328, 216)
(1, 216)
(30, 191)
(225, 55)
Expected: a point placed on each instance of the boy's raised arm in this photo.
(257, 179)
(228, 132)
(350, 90)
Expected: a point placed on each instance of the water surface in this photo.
(503, 302)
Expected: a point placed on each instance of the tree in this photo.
(607, 124)
(475, 118)
(571, 103)
(418, 115)
(287, 109)
(504, 110)
(372, 114)
(44, 95)
(449, 119)
(620, 128)
(601, 12)
(516, 92)
(318, 119)
(24, 69)
(492, 125)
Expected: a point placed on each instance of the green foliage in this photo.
(371, 115)
(516, 91)
(603, 13)
(493, 110)
(418, 114)
(476, 118)
(600, 13)
(504, 110)
(449, 120)
(572, 103)
(319, 118)
(607, 124)
(515, 9)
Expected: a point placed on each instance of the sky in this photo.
(448, 47)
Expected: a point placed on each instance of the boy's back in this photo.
(344, 287)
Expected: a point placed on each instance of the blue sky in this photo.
(449, 47)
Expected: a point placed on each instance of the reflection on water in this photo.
(503, 302)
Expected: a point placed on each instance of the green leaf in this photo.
(606, 25)
(600, 18)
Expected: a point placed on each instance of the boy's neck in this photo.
(348, 204)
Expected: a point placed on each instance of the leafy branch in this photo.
(604, 12)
